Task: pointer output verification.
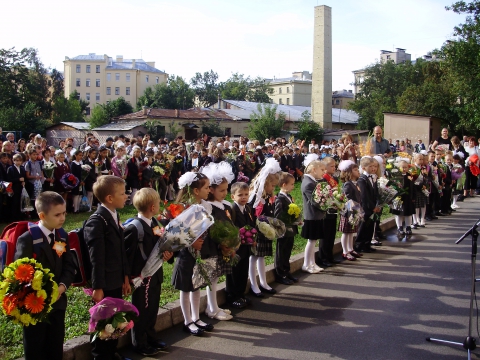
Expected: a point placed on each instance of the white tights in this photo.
(455, 197)
(347, 242)
(259, 263)
(212, 298)
(399, 220)
(190, 305)
(90, 198)
(76, 203)
(417, 218)
(309, 258)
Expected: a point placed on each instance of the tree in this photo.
(239, 87)
(103, 114)
(175, 94)
(25, 120)
(266, 123)
(57, 83)
(67, 110)
(206, 87)
(259, 91)
(212, 128)
(83, 103)
(99, 116)
(309, 129)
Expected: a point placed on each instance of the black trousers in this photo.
(282, 255)
(236, 283)
(434, 203)
(101, 349)
(45, 340)
(446, 200)
(325, 246)
(144, 329)
(364, 235)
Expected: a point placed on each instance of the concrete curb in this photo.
(170, 315)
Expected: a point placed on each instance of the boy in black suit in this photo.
(141, 235)
(368, 189)
(104, 237)
(243, 215)
(284, 244)
(45, 339)
(16, 175)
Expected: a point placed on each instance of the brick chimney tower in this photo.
(322, 67)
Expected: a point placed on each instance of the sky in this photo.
(266, 38)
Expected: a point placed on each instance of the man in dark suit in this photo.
(369, 192)
(45, 339)
(242, 216)
(16, 174)
(104, 237)
(141, 235)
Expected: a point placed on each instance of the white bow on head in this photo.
(271, 167)
(217, 172)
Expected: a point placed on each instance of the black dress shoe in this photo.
(267, 291)
(439, 214)
(369, 250)
(146, 351)
(283, 280)
(428, 218)
(258, 295)
(117, 356)
(196, 332)
(324, 263)
(246, 300)
(334, 262)
(206, 327)
(434, 217)
(158, 344)
(293, 278)
(238, 303)
(380, 236)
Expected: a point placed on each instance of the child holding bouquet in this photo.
(76, 167)
(312, 215)
(134, 174)
(448, 183)
(61, 169)
(422, 183)
(220, 176)
(48, 165)
(119, 162)
(193, 187)
(243, 218)
(457, 174)
(92, 175)
(262, 201)
(349, 175)
(407, 209)
(283, 202)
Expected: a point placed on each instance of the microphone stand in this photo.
(469, 343)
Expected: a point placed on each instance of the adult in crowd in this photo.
(419, 146)
(379, 144)
(444, 139)
(85, 144)
(458, 148)
(348, 151)
(470, 179)
(408, 146)
(2, 137)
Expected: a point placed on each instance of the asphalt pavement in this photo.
(382, 306)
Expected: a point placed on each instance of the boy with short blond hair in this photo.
(103, 234)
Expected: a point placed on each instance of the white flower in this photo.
(122, 325)
(394, 170)
(109, 329)
(103, 335)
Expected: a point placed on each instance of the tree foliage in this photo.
(266, 123)
(206, 87)
(103, 114)
(175, 94)
(212, 128)
(239, 87)
(67, 110)
(309, 129)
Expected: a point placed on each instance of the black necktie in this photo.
(52, 238)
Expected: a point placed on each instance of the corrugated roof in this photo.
(121, 125)
(89, 57)
(190, 114)
(288, 79)
(342, 93)
(126, 64)
(77, 125)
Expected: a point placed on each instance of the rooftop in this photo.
(190, 114)
(127, 64)
(91, 56)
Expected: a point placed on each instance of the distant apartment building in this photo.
(100, 79)
(294, 90)
(340, 98)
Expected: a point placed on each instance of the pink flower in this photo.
(248, 234)
(253, 231)
(242, 231)
(129, 326)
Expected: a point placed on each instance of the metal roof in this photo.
(121, 125)
(126, 64)
(292, 112)
(288, 79)
(77, 125)
(89, 57)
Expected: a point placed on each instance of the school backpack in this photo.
(140, 232)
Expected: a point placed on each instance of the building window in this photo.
(337, 102)
(87, 83)
(228, 131)
(97, 97)
(88, 69)
(156, 80)
(280, 101)
(288, 90)
(79, 68)
(127, 91)
(279, 90)
(78, 96)
(117, 76)
(109, 76)
(117, 91)
(146, 78)
(87, 96)
(127, 76)
(109, 90)
(97, 69)
(87, 111)
(288, 100)
(97, 83)
(77, 82)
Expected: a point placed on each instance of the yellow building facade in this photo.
(295, 90)
(99, 79)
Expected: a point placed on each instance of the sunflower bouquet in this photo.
(27, 292)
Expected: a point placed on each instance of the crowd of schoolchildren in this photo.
(204, 173)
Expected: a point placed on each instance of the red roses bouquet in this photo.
(69, 181)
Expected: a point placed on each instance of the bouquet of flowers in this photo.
(457, 171)
(158, 172)
(48, 170)
(354, 213)
(248, 235)
(397, 204)
(385, 193)
(270, 227)
(328, 198)
(111, 318)
(292, 216)
(121, 165)
(227, 236)
(6, 188)
(69, 181)
(443, 147)
(416, 175)
(27, 292)
(395, 177)
(180, 233)
(405, 155)
(98, 166)
(242, 178)
(85, 171)
(171, 211)
(25, 201)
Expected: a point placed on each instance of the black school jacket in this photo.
(281, 209)
(107, 251)
(369, 195)
(62, 267)
(134, 255)
(240, 220)
(14, 177)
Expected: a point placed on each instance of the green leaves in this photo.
(266, 123)
(175, 94)
(308, 129)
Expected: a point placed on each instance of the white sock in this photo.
(422, 219)
(90, 198)
(76, 202)
(350, 242)
(185, 306)
(417, 216)
(399, 221)
(252, 274)
(344, 241)
(212, 296)
(262, 275)
(309, 258)
(408, 221)
(195, 305)
(455, 197)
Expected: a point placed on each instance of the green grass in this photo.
(77, 316)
